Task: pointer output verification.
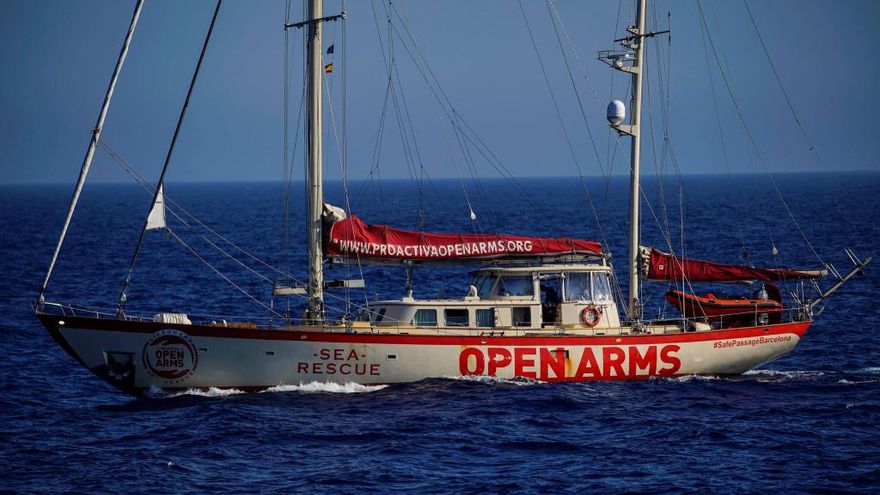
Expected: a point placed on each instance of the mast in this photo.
(634, 312)
(93, 144)
(631, 61)
(315, 153)
(314, 68)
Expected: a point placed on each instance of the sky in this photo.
(57, 58)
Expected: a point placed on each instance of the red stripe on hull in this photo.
(51, 323)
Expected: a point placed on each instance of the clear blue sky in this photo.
(57, 57)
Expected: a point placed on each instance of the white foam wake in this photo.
(519, 381)
(327, 387)
(158, 393)
(844, 381)
(209, 392)
(691, 378)
(785, 375)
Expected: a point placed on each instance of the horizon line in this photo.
(469, 179)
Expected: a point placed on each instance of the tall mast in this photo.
(93, 144)
(314, 68)
(634, 312)
(631, 61)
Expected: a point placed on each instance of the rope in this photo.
(468, 134)
(173, 207)
(554, 16)
(751, 137)
(224, 277)
(794, 114)
(168, 156)
(562, 123)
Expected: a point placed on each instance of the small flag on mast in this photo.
(330, 49)
(328, 69)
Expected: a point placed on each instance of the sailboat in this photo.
(537, 308)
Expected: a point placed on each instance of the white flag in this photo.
(156, 219)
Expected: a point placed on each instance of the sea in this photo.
(808, 422)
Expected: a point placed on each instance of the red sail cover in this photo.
(353, 237)
(664, 266)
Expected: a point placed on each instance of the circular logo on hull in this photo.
(170, 355)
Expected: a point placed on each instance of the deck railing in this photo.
(750, 318)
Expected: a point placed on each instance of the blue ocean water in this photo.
(806, 423)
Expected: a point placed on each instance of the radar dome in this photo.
(616, 112)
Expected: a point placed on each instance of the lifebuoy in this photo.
(591, 315)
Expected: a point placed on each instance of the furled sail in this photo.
(352, 237)
(664, 266)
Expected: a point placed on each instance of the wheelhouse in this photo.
(535, 297)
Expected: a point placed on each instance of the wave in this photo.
(495, 380)
(871, 370)
(844, 381)
(327, 387)
(760, 374)
(198, 392)
(690, 378)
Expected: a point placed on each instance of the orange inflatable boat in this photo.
(729, 311)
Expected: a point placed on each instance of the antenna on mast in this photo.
(631, 60)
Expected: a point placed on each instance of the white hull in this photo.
(137, 355)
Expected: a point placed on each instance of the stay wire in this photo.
(453, 158)
(562, 123)
(160, 182)
(752, 138)
(788, 102)
(224, 277)
(553, 20)
(284, 255)
(460, 123)
(173, 207)
(812, 148)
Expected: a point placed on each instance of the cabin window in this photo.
(486, 317)
(601, 287)
(484, 285)
(520, 285)
(577, 286)
(521, 316)
(380, 315)
(456, 317)
(425, 318)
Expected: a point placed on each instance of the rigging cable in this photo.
(390, 62)
(437, 113)
(551, 9)
(468, 134)
(224, 277)
(724, 146)
(173, 207)
(562, 124)
(794, 114)
(752, 138)
(463, 147)
(285, 171)
(159, 183)
(341, 155)
(814, 152)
